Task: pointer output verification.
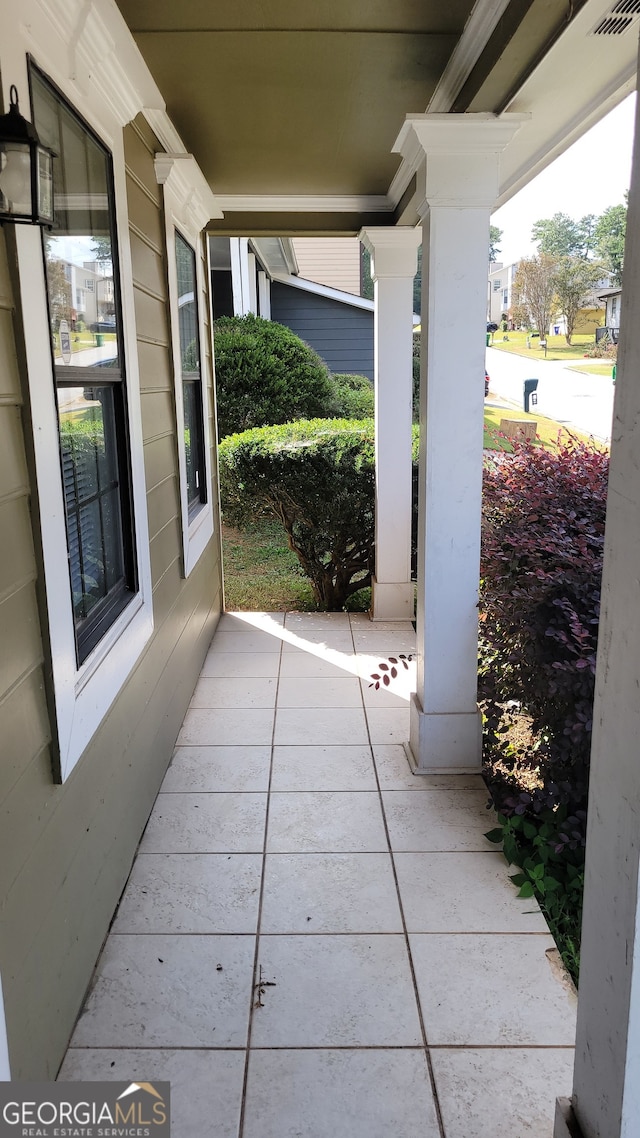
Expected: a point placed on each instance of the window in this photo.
(88, 371)
(497, 285)
(188, 327)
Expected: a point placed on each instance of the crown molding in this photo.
(193, 202)
(304, 203)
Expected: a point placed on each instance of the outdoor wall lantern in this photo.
(26, 170)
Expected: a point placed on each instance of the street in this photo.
(572, 398)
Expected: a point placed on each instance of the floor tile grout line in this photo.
(427, 1054)
(256, 957)
(329, 1047)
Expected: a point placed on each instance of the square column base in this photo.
(392, 600)
(565, 1125)
(444, 744)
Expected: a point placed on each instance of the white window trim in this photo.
(186, 212)
(83, 695)
(5, 1069)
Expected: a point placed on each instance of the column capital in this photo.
(456, 157)
(393, 248)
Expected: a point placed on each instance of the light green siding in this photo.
(65, 851)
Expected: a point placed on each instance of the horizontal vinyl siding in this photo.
(340, 333)
(24, 720)
(333, 261)
(67, 850)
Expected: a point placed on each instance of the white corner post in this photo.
(458, 181)
(606, 1089)
(243, 276)
(264, 295)
(394, 254)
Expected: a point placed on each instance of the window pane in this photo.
(90, 474)
(78, 252)
(81, 271)
(191, 379)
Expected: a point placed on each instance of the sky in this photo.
(592, 175)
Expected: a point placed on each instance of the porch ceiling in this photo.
(301, 101)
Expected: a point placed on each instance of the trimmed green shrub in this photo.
(353, 397)
(265, 374)
(318, 479)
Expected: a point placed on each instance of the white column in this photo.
(252, 283)
(458, 185)
(264, 295)
(394, 254)
(606, 1092)
(238, 251)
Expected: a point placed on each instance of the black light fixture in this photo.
(26, 170)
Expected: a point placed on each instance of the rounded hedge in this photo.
(353, 396)
(317, 477)
(266, 374)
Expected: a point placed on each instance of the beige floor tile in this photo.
(383, 644)
(249, 621)
(361, 622)
(211, 769)
(168, 991)
(302, 663)
(326, 823)
(339, 1094)
(206, 1086)
(323, 768)
(320, 726)
(463, 892)
(238, 727)
(395, 773)
(330, 893)
(206, 823)
(492, 990)
(245, 665)
(319, 640)
(317, 621)
(384, 697)
(191, 893)
(329, 991)
(502, 1093)
(437, 820)
(319, 692)
(388, 724)
(235, 692)
(255, 641)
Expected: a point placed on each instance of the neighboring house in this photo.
(262, 276)
(612, 298)
(500, 295)
(332, 261)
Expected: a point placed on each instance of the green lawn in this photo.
(594, 368)
(557, 347)
(549, 431)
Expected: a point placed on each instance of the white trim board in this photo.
(325, 290)
(5, 1068)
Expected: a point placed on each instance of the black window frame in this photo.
(90, 629)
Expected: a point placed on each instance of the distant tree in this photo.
(573, 279)
(417, 284)
(587, 229)
(557, 236)
(534, 290)
(609, 240)
(495, 237)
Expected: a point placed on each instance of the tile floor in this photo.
(313, 941)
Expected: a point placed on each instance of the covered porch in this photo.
(313, 940)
